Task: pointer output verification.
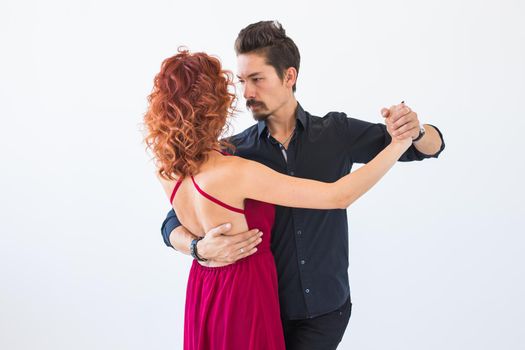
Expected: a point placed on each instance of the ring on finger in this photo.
(241, 250)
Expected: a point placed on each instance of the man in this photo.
(310, 246)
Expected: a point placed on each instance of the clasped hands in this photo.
(401, 121)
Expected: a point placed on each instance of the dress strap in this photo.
(177, 185)
(224, 153)
(215, 200)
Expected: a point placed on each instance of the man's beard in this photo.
(258, 116)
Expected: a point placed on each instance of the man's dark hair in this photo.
(269, 38)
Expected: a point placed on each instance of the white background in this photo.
(436, 256)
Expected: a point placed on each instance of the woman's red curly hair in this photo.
(188, 111)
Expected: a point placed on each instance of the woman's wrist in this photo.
(404, 143)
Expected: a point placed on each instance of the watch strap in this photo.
(422, 132)
(193, 250)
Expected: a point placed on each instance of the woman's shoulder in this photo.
(167, 184)
(231, 162)
(236, 167)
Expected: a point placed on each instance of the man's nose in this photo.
(249, 91)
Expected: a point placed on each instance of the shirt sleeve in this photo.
(170, 223)
(365, 140)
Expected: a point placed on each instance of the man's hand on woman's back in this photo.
(220, 246)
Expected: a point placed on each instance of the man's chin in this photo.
(260, 116)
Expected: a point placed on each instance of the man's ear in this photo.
(290, 76)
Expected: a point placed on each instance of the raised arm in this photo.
(364, 140)
(262, 183)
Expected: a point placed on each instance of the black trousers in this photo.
(319, 333)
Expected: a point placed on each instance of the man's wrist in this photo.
(194, 251)
(422, 133)
(201, 249)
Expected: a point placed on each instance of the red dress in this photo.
(235, 307)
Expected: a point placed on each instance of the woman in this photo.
(233, 306)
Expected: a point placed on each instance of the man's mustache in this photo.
(250, 103)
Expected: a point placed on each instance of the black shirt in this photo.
(310, 246)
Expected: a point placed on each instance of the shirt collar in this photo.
(300, 116)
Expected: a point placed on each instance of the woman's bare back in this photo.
(197, 210)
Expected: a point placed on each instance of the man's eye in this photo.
(257, 79)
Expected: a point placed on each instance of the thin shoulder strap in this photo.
(224, 153)
(179, 181)
(215, 200)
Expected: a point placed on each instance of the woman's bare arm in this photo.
(263, 183)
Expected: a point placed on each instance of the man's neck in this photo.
(282, 122)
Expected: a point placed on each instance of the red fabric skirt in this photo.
(234, 307)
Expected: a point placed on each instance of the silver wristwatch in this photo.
(421, 133)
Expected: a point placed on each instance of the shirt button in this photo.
(307, 290)
(292, 173)
(299, 232)
(303, 262)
